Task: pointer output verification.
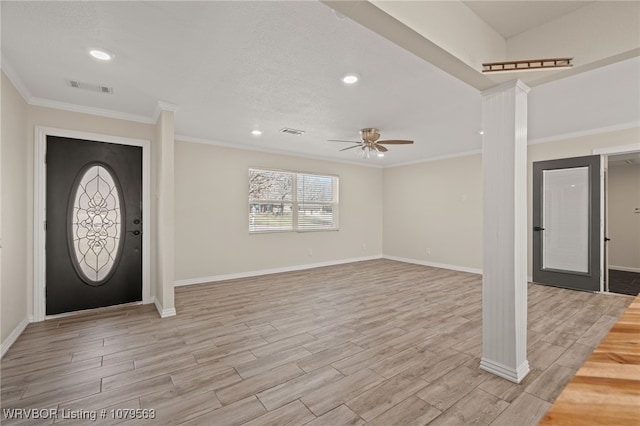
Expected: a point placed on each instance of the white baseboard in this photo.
(434, 264)
(624, 268)
(225, 277)
(512, 374)
(164, 313)
(14, 336)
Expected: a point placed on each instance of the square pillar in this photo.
(504, 240)
(165, 256)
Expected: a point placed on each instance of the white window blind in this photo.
(292, 201)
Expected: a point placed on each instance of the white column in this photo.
(504, 245)
(165, 256)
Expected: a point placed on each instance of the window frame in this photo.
(335, 204)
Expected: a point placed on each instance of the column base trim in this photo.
(164, 313)
(513, 375)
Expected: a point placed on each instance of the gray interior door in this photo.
(94, 224)
(566, 223)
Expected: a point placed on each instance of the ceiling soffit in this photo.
(456, 36)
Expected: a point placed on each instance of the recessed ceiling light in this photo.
(380, 154)
(481, 132)
(256, 132)
(350, 79)
(101, 54)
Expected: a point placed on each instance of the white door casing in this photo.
(39, 209)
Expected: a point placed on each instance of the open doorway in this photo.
(622, 202)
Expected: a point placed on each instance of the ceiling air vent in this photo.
(292, 131)
(92, 87)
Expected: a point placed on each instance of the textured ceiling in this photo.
(231, 67)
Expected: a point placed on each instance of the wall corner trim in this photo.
(164, 313)
(9, 341)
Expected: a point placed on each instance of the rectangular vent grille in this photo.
(292, 131)
(100, 88)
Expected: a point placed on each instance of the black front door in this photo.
(566, 223)
(94, 224)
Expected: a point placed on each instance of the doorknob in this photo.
(537, 228)
(607, 239)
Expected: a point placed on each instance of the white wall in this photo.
(589, 24)
(433, 212)
(211, 229)
(424, 206)
(14, 224)
(624, 219)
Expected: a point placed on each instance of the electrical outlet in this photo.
(310, 252)
(428, 251)
(364, 246)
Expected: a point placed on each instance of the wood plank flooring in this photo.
(377, 342)
(606, 389)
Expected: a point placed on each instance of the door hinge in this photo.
(45, 225)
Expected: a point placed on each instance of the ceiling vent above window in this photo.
(292, 131)
(92, 87)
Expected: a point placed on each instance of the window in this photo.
(291, 201)
(95, 236)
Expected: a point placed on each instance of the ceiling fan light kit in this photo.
(528, 65)
(370, 145)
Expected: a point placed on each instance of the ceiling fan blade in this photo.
(339, 140)
(351, 147)
(380, 148)
(396, 142)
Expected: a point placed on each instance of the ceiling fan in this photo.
(369, 143)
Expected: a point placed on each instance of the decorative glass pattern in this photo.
(96, 224)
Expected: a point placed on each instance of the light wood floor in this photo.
(606, 389)
(377, 342)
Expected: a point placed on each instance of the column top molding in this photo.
(512, 84)
(163, 106)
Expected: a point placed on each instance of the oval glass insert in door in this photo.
(95, 217)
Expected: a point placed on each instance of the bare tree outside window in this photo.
(284, 201)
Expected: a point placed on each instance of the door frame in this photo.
(604, 163)
(39, 209)
(570, 279)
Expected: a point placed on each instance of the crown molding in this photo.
(47, 103)
(26, 94)
(163, 106)
(439, 158)
(590, 132)
(15, 79)
(190, 139)
(512, 84)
